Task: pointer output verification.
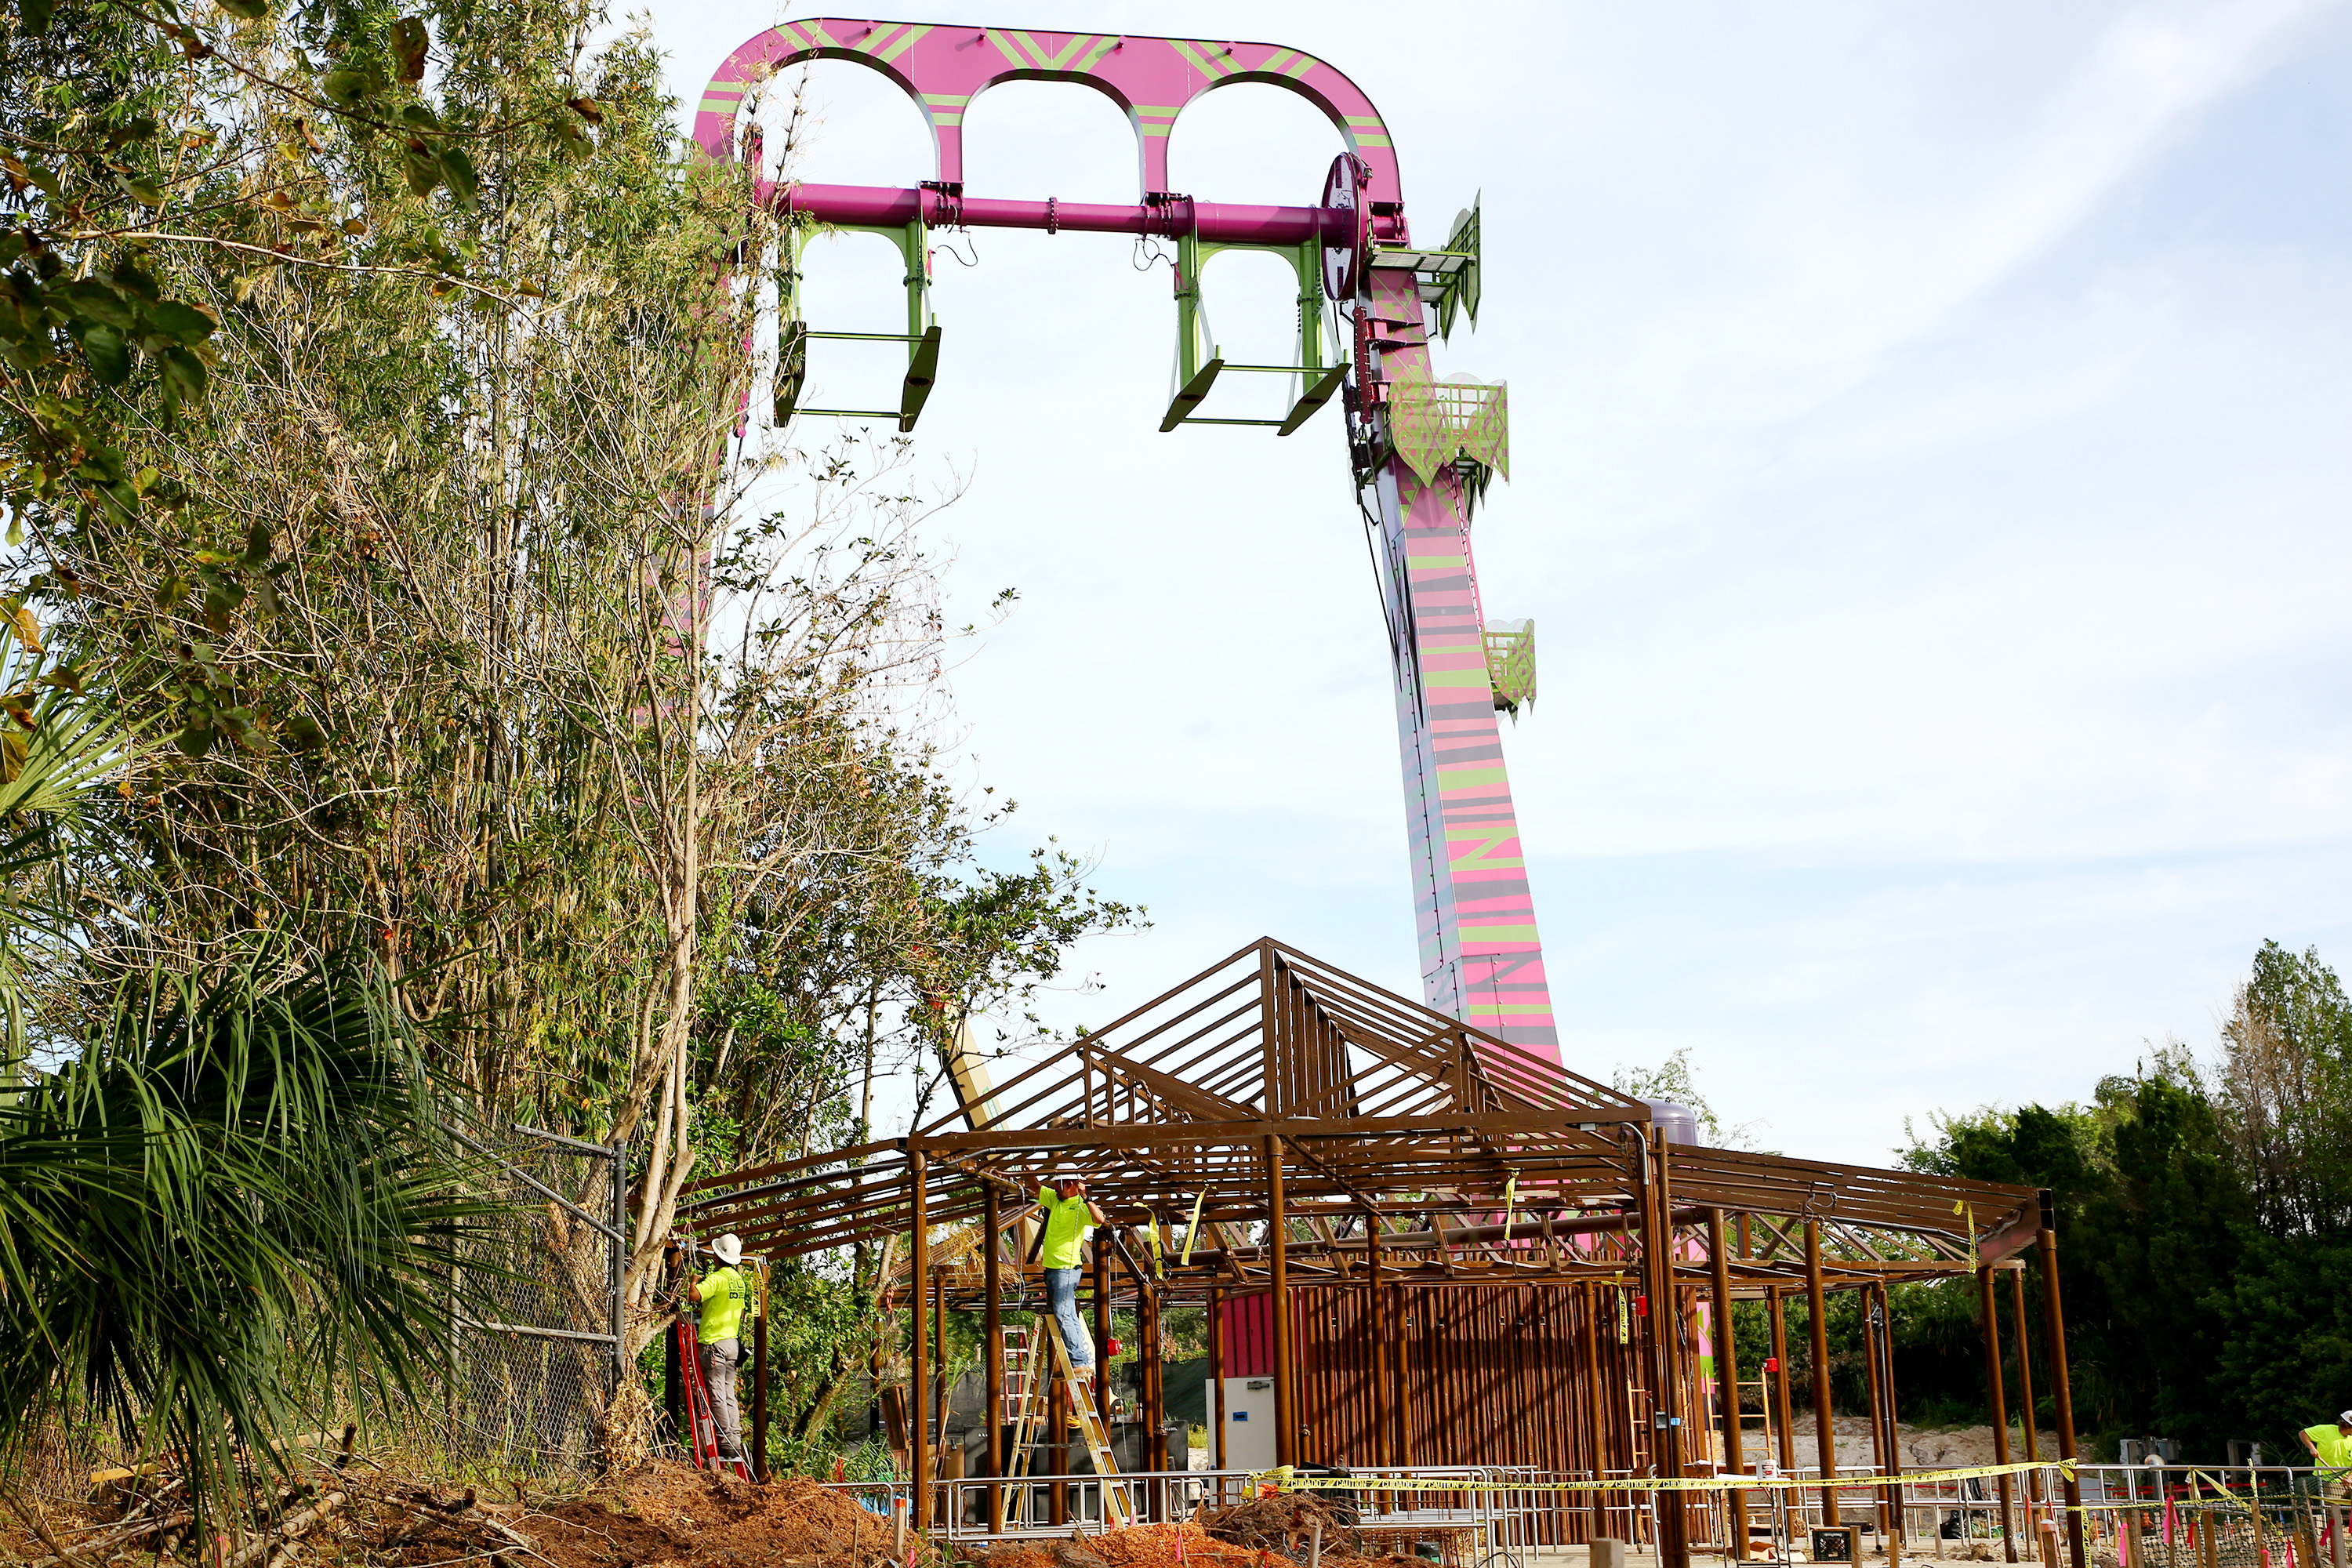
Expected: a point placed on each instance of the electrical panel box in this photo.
(1245, 1408)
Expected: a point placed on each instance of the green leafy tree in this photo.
(1675, 1080)
(2284, 1092)
(370, 421)
(2283, 1357)
(2203, 1214)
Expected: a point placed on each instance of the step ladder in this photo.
(1759, 1419)
(1030, 1420)
(1117, 1513)
(1638, 1414)
(1751, 1537)
(1623, 1506)
(1028, 1413)
(1020, 1373)
(1763, 1519)
(701, 1419)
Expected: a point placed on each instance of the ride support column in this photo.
(1481, 960)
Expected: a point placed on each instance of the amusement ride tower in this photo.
(1422, 449)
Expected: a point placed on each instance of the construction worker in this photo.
(1070, 1215)
(2330, 1446)
(726, 1296)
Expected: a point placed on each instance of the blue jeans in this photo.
(1062, 1301)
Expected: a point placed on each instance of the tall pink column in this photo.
(1481, 960)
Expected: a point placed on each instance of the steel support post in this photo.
(1988, 1303)
(2028, 1414)
(991, 1274)
(919, 1382)
(1597, 1407)
(1824, 1427)
(1894, 1422)
(1780, 1390)
(1055, 1439)
(616, 1250)
(2055, 1338)
(940, 1393)
(1286, 1393)
(1147, 1367)
(1383, 1349)
(1727, 1383)
(1666, 1334)
(672, 1373)
(1100, 1271)
(1880, 1438)
(759, 1384)
(1218, 1415)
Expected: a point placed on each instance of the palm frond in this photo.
(59, 745)
(238, 1207)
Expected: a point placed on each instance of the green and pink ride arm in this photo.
(1421, 449)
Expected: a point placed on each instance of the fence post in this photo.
(619, 1271)
(673, 1375)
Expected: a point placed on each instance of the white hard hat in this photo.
(2345, 1418)
(729, 1248)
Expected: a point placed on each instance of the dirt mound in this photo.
(1073, 1552)
(673, 1515)
(1155, 1545)
(1158, 1545)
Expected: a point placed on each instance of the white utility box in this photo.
(1246, 1408)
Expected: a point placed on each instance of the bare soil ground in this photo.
(662, 1514)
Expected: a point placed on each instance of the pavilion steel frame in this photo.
(1376, 1145)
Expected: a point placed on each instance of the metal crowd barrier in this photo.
(2135, 1516)
(1496, 1520)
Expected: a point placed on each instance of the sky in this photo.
(1929, 477)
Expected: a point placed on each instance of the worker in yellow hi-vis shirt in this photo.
(2330, 1444)
(1069, 1215)
(725, 1295)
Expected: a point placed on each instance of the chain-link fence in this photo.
(535, 1362)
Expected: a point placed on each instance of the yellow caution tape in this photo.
(1284, 1478)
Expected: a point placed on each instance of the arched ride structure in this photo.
(1421, 449)
(1458, 1252)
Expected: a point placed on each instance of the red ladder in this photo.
(702, 1425)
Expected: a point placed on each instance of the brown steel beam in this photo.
(1218, 1417)
(1383, 1347)
(940, 1392)
(1285, 1394)
(918, 1422)
(1727, 1381)
(1894, 1425)
(1665, 1330)
(1878, 1433)
(1993, 1384)
(2054, 1339)
(2025, 1393)
(992, 1265)
(1592, 1295)
(1825, 1430)
(759, 1384)
(1560, 1123)
(1787, 1423)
